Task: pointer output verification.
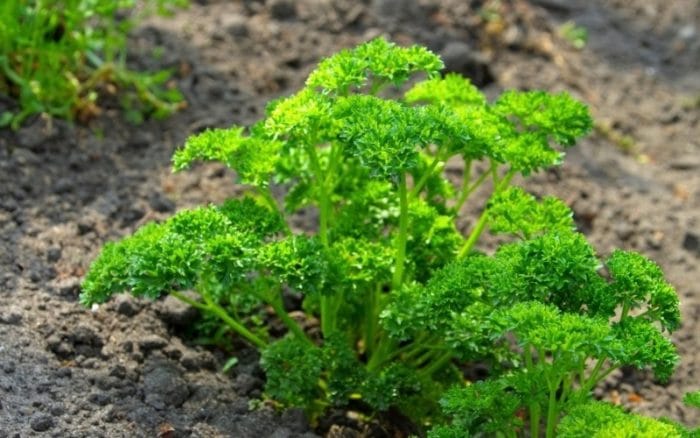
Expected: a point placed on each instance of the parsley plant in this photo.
(405, 301)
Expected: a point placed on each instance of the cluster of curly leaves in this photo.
(405, 303)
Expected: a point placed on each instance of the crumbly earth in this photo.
(125, 369)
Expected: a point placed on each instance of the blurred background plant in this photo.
(59, 57)
(576, 35)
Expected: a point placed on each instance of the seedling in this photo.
(59, 58)
(406, 303)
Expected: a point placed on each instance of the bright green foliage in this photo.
(61, 57)
(557, 116)
(404, 301)
(638, 280)
(516, 212)
(453, 90)
(692, 399)
(293, 371)
(381, 134)
(602, 420)
(489, 406)
(252, 158)
(377, 60)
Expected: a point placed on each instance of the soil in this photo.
(125, 369)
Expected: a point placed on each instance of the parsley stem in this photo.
(483, 219)
(534, 407)
(437, 364)
(403, 234)
(467, 189)
(270, 200)
(327, 317)
(219, 311)
(291, 324)
(426, 175)
(552, 411)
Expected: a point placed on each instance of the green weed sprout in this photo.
(59, 57)
(405, 301)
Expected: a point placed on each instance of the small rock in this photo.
(282, 9)
(36, 133)
(691, 242)
(59, 347)
(85, 227)
(460, 58)
(63, 186)
(164, 385)
(11, 318)
(173, 353)
(53, 254)
(237, 26)
(623, 230)
(685, 163)
(99, 398)
(132, 215)
(125, 305)
(245, 384)
(118, 371)
(141, 139)
(295, 419)
(8, 367)
(127, 346)
(151, 342)
(161, 203)
(190, 361)
(57, 410)
(176, 313)
(68, 287)
(42, 423)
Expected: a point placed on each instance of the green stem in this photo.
(534, 408)
(467, 189)
(483, 219)
(625, 311)
(381, 353)
(291, 324)
(403, 235)
(266, 194)
(552, 411)
(426, 175)
(219, 311)
(439, 363)
(371, 317)
(327, 317)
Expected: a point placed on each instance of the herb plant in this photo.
(407, 305)
(60, 57)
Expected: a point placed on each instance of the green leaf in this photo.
(692, 399)
(305, 118)
(452, 90)
(637, 282)
(558, 267)
(172, 255)
(482, 407)
(253, 158)
(378, 59)
(556, 116)
(293, 369)
(515, 211)
(602, 420)
(298, 261)
(382, 134)
(643, 345)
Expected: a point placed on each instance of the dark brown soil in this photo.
(124, 370)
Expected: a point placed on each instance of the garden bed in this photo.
(128, 368)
